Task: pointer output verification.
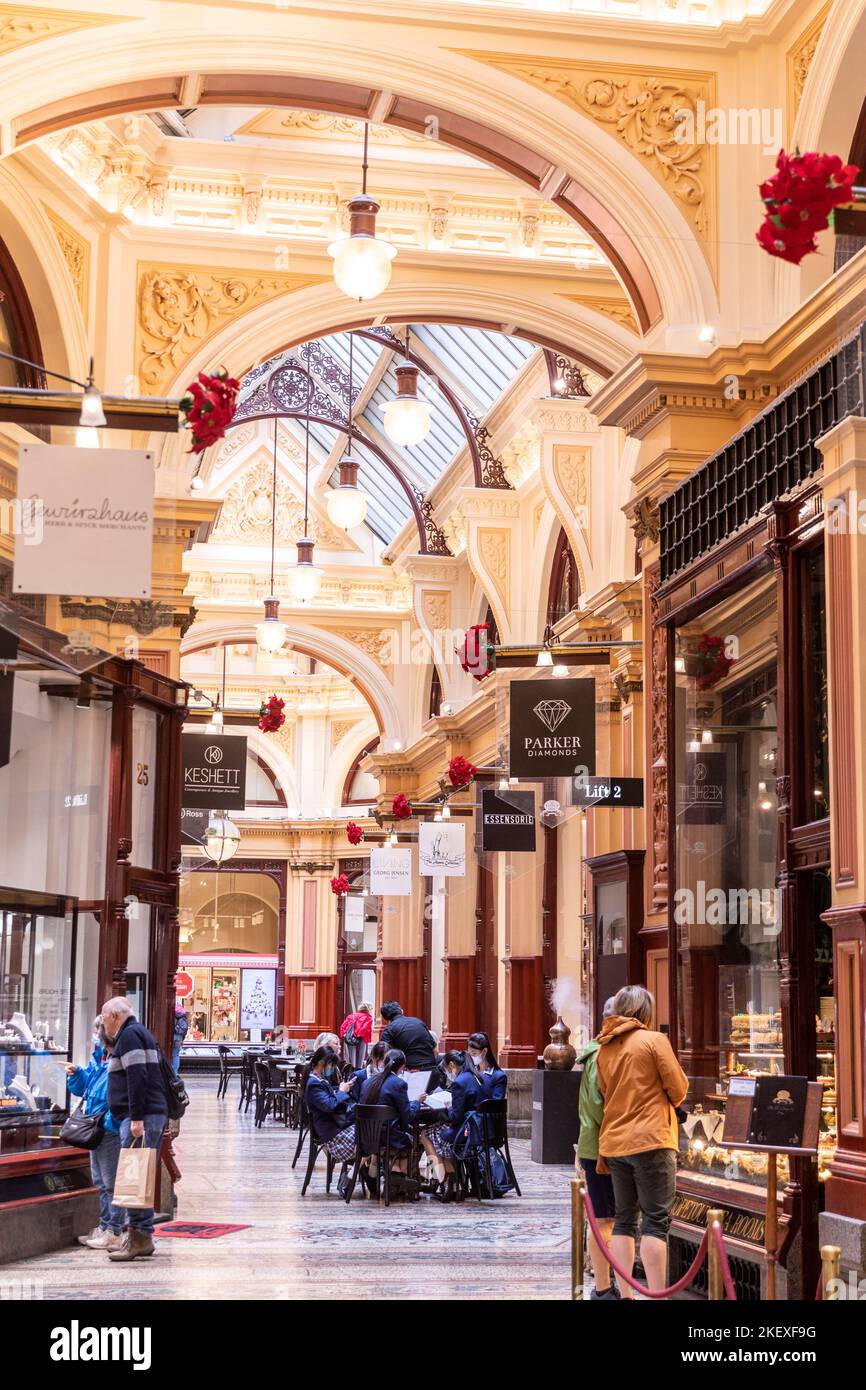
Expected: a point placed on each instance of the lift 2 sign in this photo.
(552, 730)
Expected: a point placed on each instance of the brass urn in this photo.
(559, 1055)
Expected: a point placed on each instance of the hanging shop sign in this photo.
(193, 826)
(90, 522)
(441, 849)
(552, 732)
(701, 797)
(607, 791)
(508, 821)
(391, 872)
(214, 772)
(258, 994)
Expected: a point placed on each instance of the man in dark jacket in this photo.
(137, 1099)
(410, 1036)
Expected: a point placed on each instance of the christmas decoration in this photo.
(461, 772)
(476, 652)
(271, 715)
(400, 807)
(258, 1004)
(208, 407)
(339, 886)
(708, 661)
(354, 833)
(799, 200)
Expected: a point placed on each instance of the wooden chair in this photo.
(373, 1140)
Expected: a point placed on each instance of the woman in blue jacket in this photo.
(330, 1104)
(467, 1089)
(91, 1082)
(387, 1087)
(483, 1059)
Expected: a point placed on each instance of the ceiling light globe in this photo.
(407, 420)
(305, 580)
(362, 265)
(270, 632)
(221, 840)
(347, 506)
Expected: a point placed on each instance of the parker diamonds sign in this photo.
(214, 772)
(508, 821)
(552, 728)
(95, 510)
(391, 872)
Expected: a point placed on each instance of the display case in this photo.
(37, 970)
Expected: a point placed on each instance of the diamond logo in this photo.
(552, 712)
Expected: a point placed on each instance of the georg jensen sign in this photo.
(214, 772)
(552, 727)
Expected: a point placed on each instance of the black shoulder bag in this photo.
(83, 1131)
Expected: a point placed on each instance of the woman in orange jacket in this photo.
(642, 1084)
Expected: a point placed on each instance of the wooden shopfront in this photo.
(739, 612)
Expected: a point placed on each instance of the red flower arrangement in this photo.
(474, 652)
(208, 407)
(354, 833)
(400, 807)
(799, 200)
(710, 661)
(339, 886)
(461, 772)
(271, 715)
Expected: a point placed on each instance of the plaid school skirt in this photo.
(342, 1146)
(437, 1134)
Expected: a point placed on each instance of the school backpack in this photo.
(471, 1140)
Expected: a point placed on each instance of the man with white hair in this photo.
(137, 1099)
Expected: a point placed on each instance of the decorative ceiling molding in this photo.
(617, 309)
(20, 26)
(279, 124)
(245, 517)
(76, 253)
(799, 60)
(638, 107)
(179, 307)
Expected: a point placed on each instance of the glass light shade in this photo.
(92, 413)
(221, 840)
(304, 579)
(407, 420)
(270, 632)
(347, 506)
(86, 437)
(544, 658)
(362, 265)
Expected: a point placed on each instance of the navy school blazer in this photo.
(329, 1107)
(467, 1090)
(394, 1094)
(495, 1084)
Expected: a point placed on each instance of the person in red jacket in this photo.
(356, 1030)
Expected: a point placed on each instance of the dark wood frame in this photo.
(352, 960)
(564, 579)
(622, 865)
(22, 320)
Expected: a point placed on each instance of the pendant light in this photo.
(305, 579)
(347, 505)
(216, 721)
(270, 632)
(221, 839)
(407, 416)
(362, 262)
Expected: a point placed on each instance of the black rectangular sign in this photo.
(508, 821)
(552, 730)
(214, 772)
(193, 825)
(701, 797)
(608, 791)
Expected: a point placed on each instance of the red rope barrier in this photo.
(727, 1277)
(687, 1279)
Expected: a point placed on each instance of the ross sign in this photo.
(607, 791)
(552, 728)
(508, 821)
(701, 797)
(193, 826)
(94, 515)
(391, 872)
(184, 985)
(258, 993)
(214, 772)
(442, 849)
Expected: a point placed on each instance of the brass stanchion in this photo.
(830, 1255)
(578, 1224)
(716, 1284)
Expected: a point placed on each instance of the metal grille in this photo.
(773, 455)
(745, 1274)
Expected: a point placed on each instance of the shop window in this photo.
(360, 920)
(235, 913)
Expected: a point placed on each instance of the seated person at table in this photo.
(330, 1105)
(375, 1063)
(387, 1087)
(483, 1059)
(467, 1089)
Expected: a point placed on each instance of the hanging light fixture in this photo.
(305, 579)
(545, 656)
(216, 721)
(92, 414)
(221, 839)
(407, 416)
(270, 632)
(347, 505)
(362, 262)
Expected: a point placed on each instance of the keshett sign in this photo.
(214, 772)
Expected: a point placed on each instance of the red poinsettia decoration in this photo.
(208, 407)
(474, 652)
(799, 200)
(461, 772)
(271, 715)
(354, 833)
(400, 807)
(709, 661)
(339, 886)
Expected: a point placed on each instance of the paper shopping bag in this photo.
(135, 1183)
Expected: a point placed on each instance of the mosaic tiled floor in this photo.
(316, 1247)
